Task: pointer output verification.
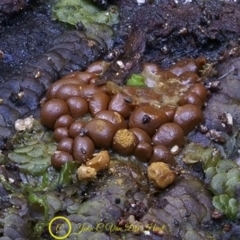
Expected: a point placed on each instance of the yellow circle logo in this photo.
(65, 220)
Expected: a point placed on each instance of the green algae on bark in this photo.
(222, 177)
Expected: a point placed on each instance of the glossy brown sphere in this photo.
(51, 92)
(143, 151)
(83, 149)
(182, 66)
(60, 133)
(165, 75)
(169, 111)
(68, 90)
(162, 154)
(59, 158)
(124, 142)
(169, 135)
(87, 91)
(98, 67)
(94, 80)
(148, 118)
(78, 106)
(98, 102)
(120, 104)
(188, 117)
(141, 135)
(188, 78)
(191, 98)
(200, 90)
(101, 132)
(64, 121)
(65, 145)
(82, 77)
(51, 111)
(200, 62)
(113, 117)
(76, 128)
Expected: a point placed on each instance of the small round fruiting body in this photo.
(143, 151)
(59, 158)
(82, 77)
(60, 133)
(182, 66)
(141, 135)
(65, 145)
(64, 121)
(51, 92)
(120, 104)
(100, 161)
(98, 102)
(162, 154)
(51, 111)
(124, 142)
(160, 174)
(200, 90)
(86, 173)
(169, 111)
(169, 135)
(188, 117)
(83, 149)
(98, 67)
(76, 128)
(87, 91)
(147, 118)
(187, 78)
(101, 132)
(68, 90)
(191, 98)
(77, 106)
(113, 117)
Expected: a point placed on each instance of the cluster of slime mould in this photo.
(148, 123)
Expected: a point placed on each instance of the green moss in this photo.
(32, 150)
(40, 181)
(222, 175)
(136, 80)
(84, 11)
(229, 206)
